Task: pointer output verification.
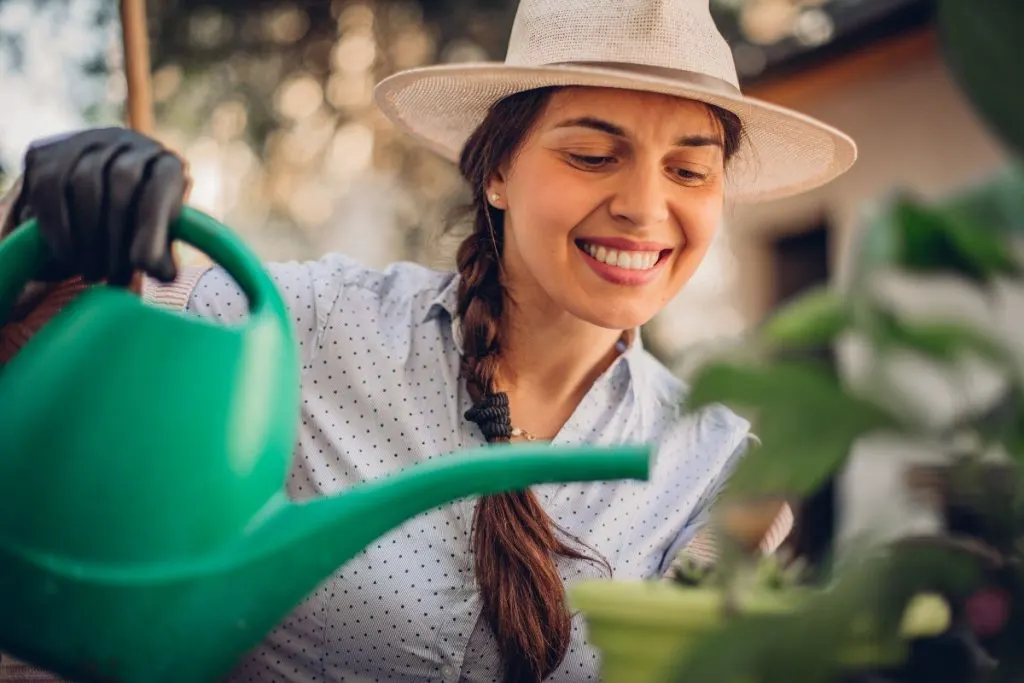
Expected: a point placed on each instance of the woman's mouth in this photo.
(622, 266)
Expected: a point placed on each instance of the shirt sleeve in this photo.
(310, 291)
(697, 540)
(696, 536)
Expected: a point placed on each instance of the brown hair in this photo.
(515, 543)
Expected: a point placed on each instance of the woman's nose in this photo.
(641, 197)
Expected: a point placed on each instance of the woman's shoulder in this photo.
(331, 281)
(397, 281)
(402, 294)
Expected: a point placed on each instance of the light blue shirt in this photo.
(381, 391)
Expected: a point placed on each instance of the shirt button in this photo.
(447, 672)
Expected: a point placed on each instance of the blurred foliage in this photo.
(293, 82)
(252, 47)
(56, 70)
(270, 101)
(980, 63)
(808, 418)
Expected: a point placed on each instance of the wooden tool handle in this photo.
(139, 110)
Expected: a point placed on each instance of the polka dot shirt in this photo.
(381, 392)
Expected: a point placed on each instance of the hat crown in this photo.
(669, 34)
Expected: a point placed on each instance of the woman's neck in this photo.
(548, 363)
(556, 357)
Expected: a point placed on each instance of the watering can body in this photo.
(188, 425)
(145, 535)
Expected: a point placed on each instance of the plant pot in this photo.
(643, 629)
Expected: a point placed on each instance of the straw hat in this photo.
(663, 46)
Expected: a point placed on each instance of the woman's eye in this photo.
(689, 176)
(591, 163)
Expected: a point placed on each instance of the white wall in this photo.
(914, 131)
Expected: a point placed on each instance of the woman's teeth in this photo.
(630, 260)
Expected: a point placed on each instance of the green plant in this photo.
(928, 338)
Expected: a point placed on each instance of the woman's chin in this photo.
(616, 316)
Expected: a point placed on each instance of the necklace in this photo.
(522, 433)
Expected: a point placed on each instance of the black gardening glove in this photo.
(104, 200)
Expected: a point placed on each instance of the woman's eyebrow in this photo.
(594, 123)
(699, 141)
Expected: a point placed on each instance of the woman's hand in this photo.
(104, 200)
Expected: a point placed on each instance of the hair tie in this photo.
(492, 415)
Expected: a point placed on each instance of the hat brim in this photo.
(783, 152)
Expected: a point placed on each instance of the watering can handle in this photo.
(23, 253)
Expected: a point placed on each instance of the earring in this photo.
(495, 197)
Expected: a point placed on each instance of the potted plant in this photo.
(642, 627)
(923, 581)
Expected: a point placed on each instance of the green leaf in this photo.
(996, 204)
(813, 320)
(763, 649)
(943, 341)
(907, 234)
(805, 421)
(981, 43)
(936, 242)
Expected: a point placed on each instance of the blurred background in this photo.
(270, 101)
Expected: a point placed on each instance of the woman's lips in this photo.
(621, 266)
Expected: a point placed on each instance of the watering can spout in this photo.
(309, 540)
(341, 526)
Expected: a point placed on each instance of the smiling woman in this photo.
(599, 158)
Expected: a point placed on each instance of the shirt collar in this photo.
(446, 303)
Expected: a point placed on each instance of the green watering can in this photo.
(145, 534)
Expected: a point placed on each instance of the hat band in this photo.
(715, 85)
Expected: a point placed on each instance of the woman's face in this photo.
(611, 203)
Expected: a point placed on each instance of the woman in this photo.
(597, 189)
